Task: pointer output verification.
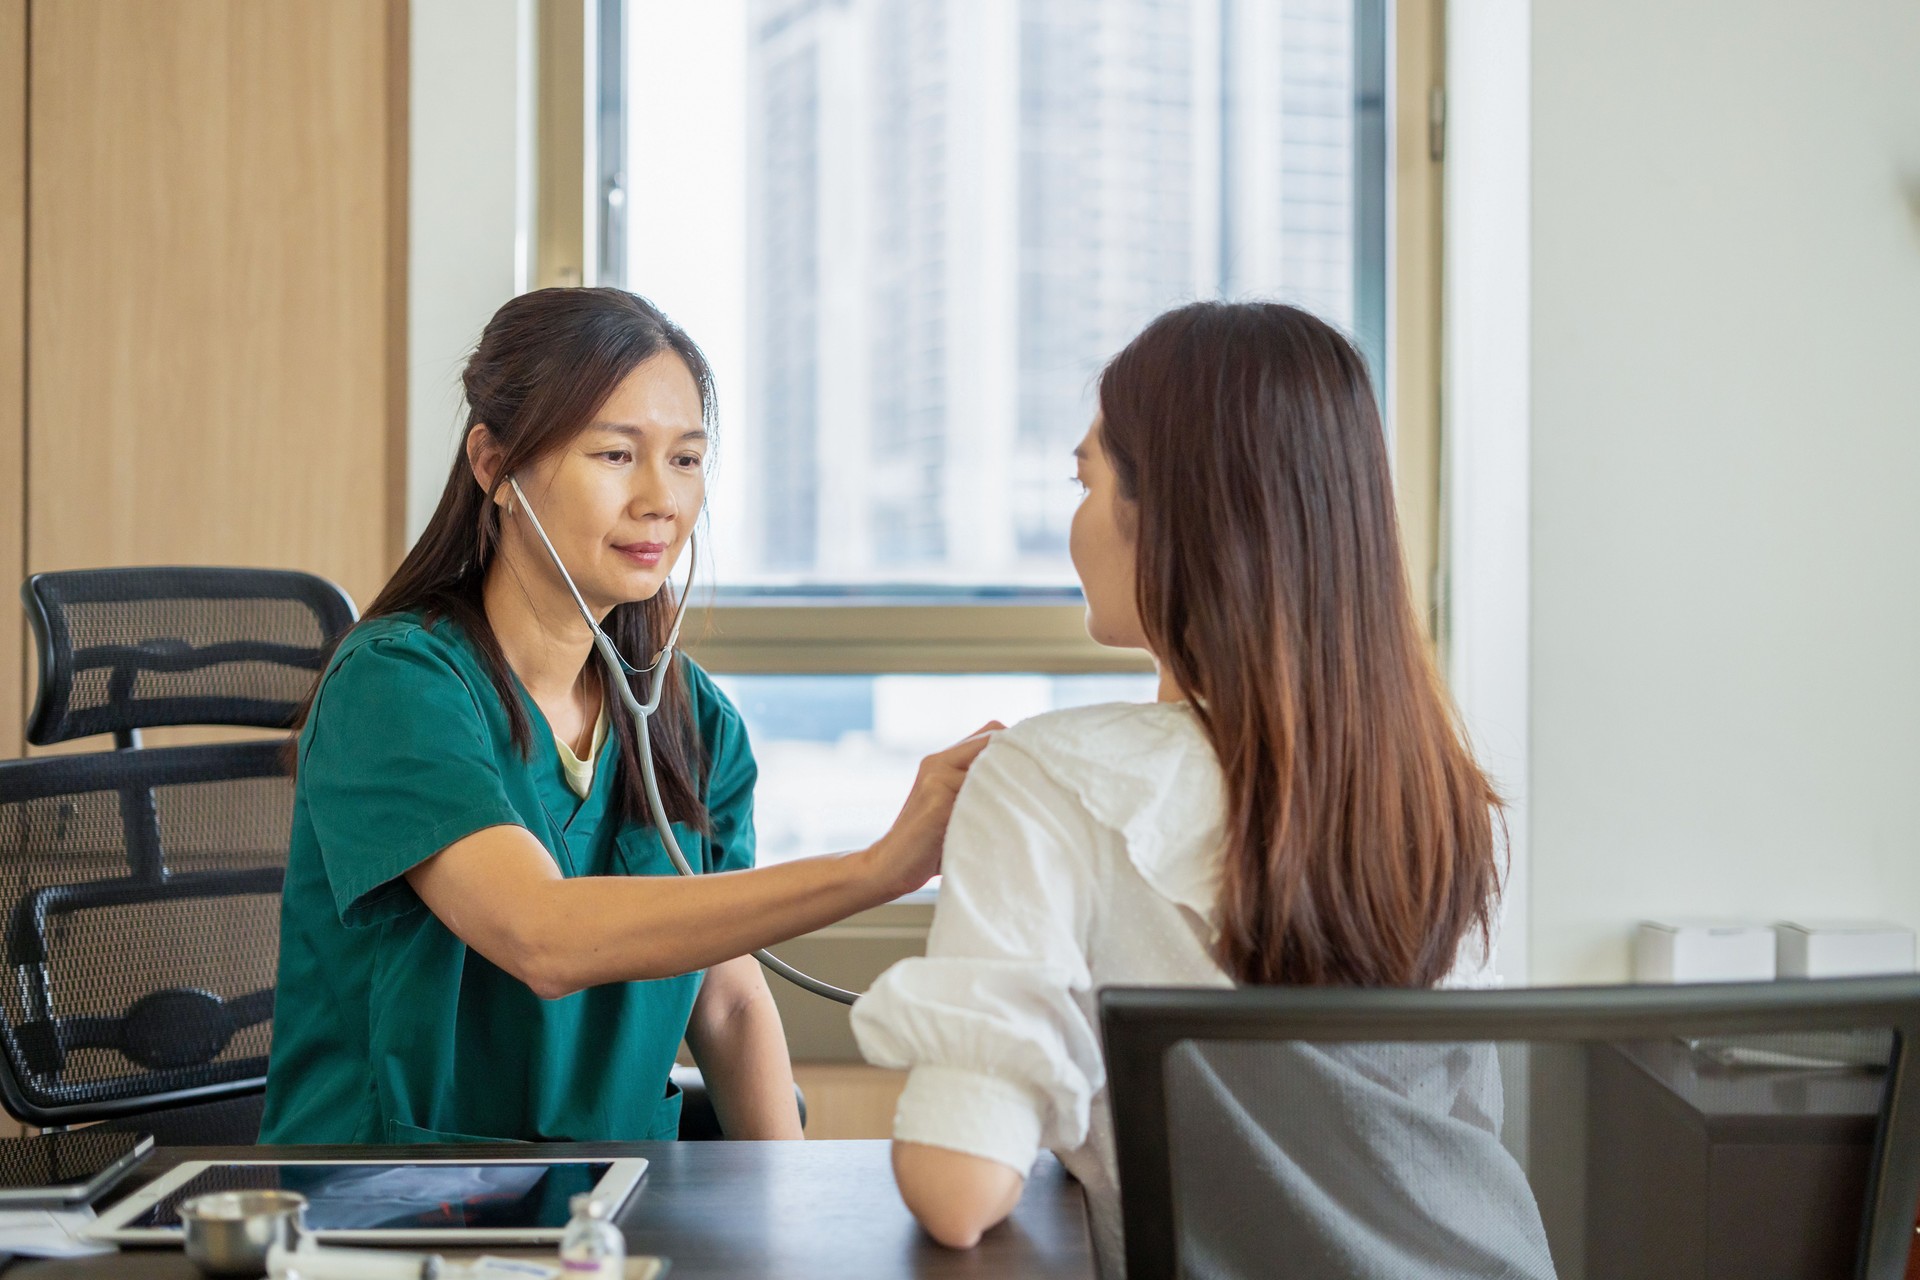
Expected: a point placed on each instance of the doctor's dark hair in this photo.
(545, 364)
(1270, 584)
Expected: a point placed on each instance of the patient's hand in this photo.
(955, 1196)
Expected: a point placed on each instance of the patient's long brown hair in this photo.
(1359, 830)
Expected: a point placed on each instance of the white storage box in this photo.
(1703, 951)
(1842, 948)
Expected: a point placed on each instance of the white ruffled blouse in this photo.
(1084, 852)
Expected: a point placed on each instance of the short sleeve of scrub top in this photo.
(398, 769)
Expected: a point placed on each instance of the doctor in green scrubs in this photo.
(481, 935)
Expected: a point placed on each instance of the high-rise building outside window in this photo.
(910, 232)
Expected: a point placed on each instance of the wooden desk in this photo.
(795, 1210)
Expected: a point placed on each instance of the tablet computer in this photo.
(433, 1202)
(67, 1168)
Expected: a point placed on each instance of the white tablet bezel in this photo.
(613, 1189)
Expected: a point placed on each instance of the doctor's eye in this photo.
(1079, 485)
(617, 456)
(691, 461)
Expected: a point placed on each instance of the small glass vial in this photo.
(592, 1248)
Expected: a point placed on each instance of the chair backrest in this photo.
(140, 890)
(126, 649)
(139, 911)
(1728, 1130)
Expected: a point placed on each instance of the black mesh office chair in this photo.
(1722, 1131)
(140, 888)
(110, 862)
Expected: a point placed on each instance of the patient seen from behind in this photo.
(1297, 807)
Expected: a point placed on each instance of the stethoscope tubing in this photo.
(619, 673)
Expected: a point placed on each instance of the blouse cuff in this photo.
(968, 1111)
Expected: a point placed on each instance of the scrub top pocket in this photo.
(639, 852)
(400, 1133)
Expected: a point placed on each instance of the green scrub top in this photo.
(387, 1027)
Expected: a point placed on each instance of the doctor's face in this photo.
(621, 498)
(1102, 547)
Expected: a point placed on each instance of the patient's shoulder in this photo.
(1146, 772)
(1132, 766)
(1114, 734)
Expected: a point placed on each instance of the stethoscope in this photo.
(618, 671)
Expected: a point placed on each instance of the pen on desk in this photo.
(319, 1262)
(310, 1261)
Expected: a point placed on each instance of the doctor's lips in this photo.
(642, 553)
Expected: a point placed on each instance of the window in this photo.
(908, 234)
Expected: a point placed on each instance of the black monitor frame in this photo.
(1140, 1024)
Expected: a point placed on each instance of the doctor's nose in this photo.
(654, 497)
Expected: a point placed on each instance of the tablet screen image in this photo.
(401, 1197)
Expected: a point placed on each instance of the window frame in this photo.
(1411, 394)
(810, 637)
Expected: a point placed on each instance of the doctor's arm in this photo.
(501, 893)
(736, 1037)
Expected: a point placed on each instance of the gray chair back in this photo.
(1713, 1131)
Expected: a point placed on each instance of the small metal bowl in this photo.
(229, 1232)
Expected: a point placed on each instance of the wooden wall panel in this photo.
(216, 244)
(13, 386)
(13, 389)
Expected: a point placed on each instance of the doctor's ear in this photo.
(484, 455)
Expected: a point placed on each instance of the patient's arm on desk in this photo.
(736, 1037)
(956, 1196)
(1003, 1060)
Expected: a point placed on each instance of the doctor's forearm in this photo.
(501, 893)
(628, 928)
(736, 1037)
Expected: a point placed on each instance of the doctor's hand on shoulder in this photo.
(908, 855)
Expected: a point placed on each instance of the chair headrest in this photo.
(136, 648)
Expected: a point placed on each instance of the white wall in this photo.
(1725, 467)
(470, 203)
(1485, 325)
